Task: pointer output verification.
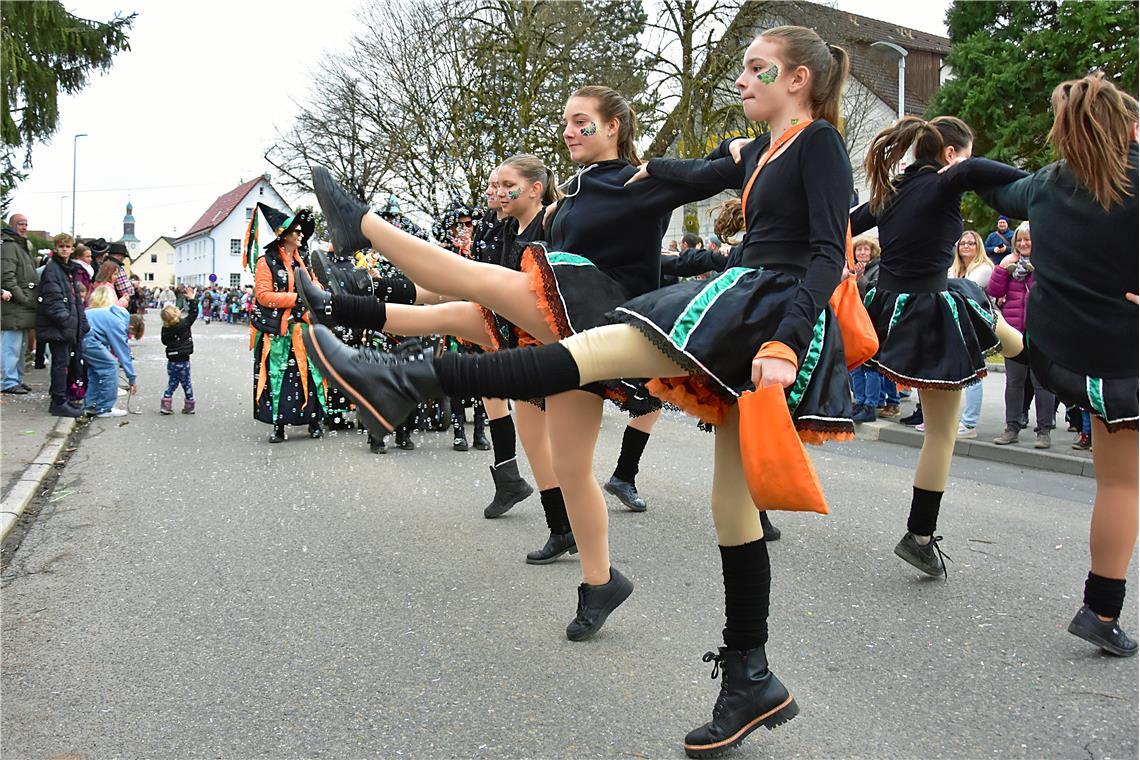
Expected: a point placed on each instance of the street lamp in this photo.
(902, 71)
(61, 211)
(74, 150)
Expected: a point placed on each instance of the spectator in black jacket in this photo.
(999, 243)
(60, 321)
(179, 346)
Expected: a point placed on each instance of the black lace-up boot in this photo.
(342, 213)
(750, 697)
(384, 387)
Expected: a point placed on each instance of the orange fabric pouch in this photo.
(860, 342)
(779, 473)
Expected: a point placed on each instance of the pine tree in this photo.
(46, 51)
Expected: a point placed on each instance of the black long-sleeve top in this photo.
(691, 262)
(797, 214)
(1085, 260)
(922, 221)
(513, 242)
(616, 227)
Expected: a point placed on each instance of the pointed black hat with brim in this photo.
(281, 223)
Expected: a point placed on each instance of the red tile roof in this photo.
(221, 208)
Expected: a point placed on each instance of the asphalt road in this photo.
(190, 591)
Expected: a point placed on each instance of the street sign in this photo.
(213, 278)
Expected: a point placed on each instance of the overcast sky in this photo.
(189, 111)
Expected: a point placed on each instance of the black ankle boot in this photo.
(315, 430)
(459, 439)
(342, 213)
(555, 546)
(318, 302)
(404, 439)
(510, 489)
(626, 493)
(771, 532)
(595, 603)
(377, 445)
(386, 388)
(278, 434)
(479, 437)
(750, 697)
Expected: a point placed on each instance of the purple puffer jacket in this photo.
(1015, 293)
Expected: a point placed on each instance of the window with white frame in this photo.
(249, 212)
(235, 279)
(149, 276)
(235, 246)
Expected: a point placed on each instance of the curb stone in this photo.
(28, 484)
(890, 432)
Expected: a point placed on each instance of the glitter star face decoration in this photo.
(590, 130)
(769, 76)
(514, 194)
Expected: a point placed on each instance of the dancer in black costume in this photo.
(765, 323)
(934, 333)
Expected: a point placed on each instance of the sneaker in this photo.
(928, 558)
(1043, 441)
(914, 418)
(16, 390)
(889, 411)
(1007, 437)
(967, 432)
(112, 412)
(863, 413)
(920, 427)
(1083, 442)
(1105, 634)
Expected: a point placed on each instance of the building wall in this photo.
(213, 251)
(156, 273)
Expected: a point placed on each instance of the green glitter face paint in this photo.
(769, 76)
(795, 122)
(590, 130)
(514, 194)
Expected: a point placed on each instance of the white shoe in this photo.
(122, 391)
(115, 412)
(966, 432)
(920, 427)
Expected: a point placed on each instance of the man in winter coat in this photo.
(18, 315)
(999, 243)
(60, 321)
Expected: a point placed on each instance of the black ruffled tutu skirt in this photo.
(713, 328)
(936, 339)
(574, 295)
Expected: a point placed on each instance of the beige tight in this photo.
(623, 351)
(530, 421)
(940, 410)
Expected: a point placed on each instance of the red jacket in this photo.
(1015, 292)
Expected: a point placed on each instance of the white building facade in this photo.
(213, 244)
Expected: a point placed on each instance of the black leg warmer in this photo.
(1104, 596)
(503, 438)
(555, 508)
(629, 460)
(359, 311)
(924, 505)
(519, 373)
(747, 585)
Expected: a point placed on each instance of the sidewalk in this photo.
(1061, 457)
(31, 441)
